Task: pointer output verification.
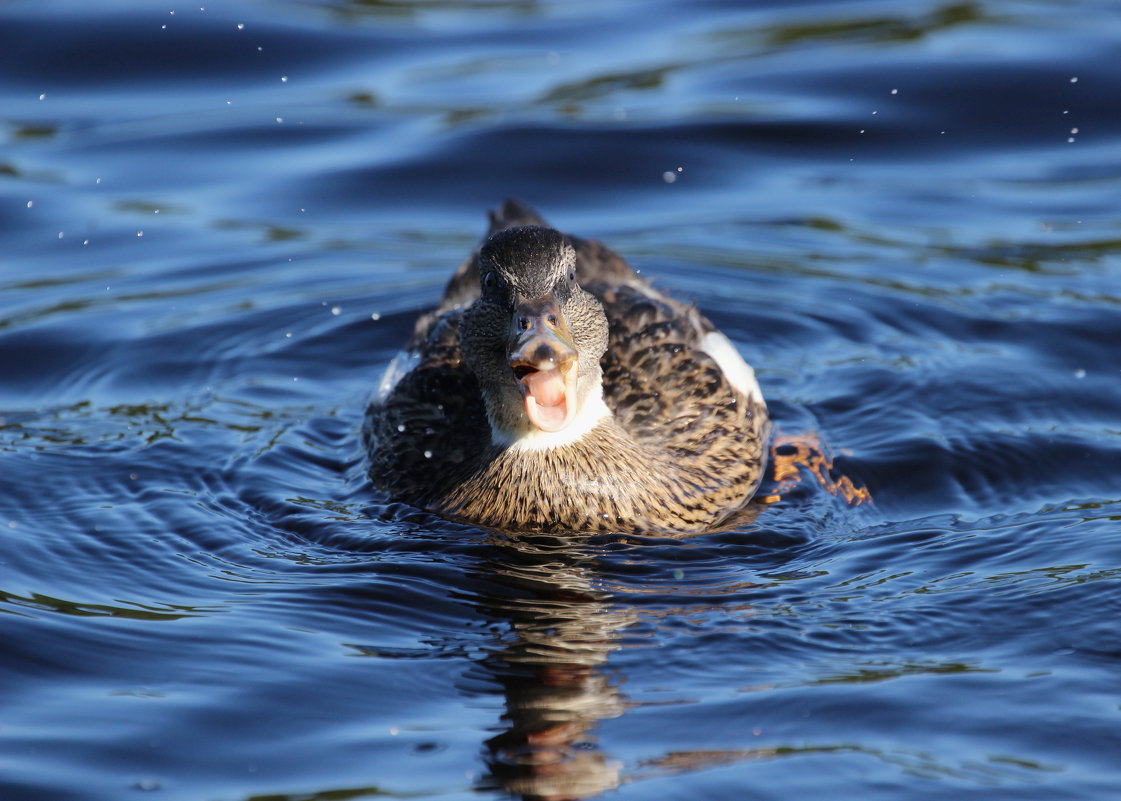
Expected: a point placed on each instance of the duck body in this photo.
(554, 389)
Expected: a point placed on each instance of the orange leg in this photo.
(792, 452)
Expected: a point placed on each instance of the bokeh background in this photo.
(217, 223)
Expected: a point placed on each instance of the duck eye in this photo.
(571, 275)
(488, 281)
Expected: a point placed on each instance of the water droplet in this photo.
(895, 91)
(336, 310)
(140, 233)
(1080, 373)
(1074, 79)
(375, 316)
(241, 26)
(428, 454)
(280, 119)
(669, 177)
(401, 427)
(30, 203)
(284, 79)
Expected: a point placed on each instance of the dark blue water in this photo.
(219, 224)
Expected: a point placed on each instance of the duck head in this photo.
(534, 339)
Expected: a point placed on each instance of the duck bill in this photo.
(542, 356)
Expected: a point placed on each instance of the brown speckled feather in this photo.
(683, 450)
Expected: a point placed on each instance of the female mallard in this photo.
(555, 390)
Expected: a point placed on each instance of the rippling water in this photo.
(218, 225)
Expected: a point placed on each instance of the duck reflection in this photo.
(550, 666)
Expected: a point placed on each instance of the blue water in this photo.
(219, 224)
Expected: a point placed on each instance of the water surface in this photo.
(218, 225)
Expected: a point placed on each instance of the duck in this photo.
(554, 389)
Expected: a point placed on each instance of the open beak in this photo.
(543, 357)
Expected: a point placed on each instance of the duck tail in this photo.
(511, 213)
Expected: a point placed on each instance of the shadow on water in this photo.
(560, 622)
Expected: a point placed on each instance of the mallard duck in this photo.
(553, 389)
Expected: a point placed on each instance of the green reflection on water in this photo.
(82, 424)
(133, 611)
(270, 231)
(604, 85)
(880, 29)
(336, 795)
(994, 769)
(33, 131)
(876, 672)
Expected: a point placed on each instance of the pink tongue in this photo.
(546, 402)
(546, 387)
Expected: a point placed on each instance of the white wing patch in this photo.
(402, 364)
(738, 372)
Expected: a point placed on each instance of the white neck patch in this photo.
(591, 413)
